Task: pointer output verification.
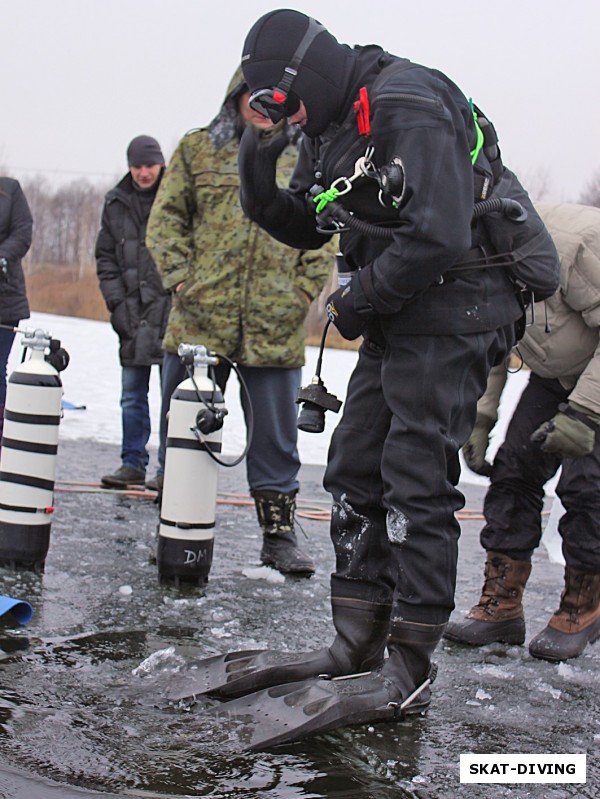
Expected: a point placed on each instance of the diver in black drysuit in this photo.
(431, 335)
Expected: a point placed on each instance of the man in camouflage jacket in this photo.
(241, 294)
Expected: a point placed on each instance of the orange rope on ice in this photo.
(318, 510)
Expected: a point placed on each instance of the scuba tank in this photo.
(189, 494)
(29, 446)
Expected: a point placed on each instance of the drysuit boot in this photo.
(276, 513)
(410, 647)
(360, 609)
(576, 623)
(287, 713)
(361, 632)
(498, 616)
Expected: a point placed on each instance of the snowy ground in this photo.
(93, 379)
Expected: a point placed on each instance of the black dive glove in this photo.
(257, 165)
(570, 434)
(477, 444)
(341, 311)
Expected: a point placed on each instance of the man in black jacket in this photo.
(134, 295)
(399, 148)
(15, 240)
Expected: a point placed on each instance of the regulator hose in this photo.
(335, 211)
(510, 208)
(249, 409)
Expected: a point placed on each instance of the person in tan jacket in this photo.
(554, 425)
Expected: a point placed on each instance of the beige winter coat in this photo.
(563, 340)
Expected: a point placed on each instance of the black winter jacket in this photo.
(421, 117)
(129, 281)
(15, 240)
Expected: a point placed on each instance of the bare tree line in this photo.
(61, 267)
(65, 223)
(67, 219)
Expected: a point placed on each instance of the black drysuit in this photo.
(431, 337)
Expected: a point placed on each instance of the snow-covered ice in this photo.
(93, 379)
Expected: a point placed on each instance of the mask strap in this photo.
(291, 71)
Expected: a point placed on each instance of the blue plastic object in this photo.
(20, 610)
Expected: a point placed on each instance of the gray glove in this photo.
(570, 434)
(476, 447)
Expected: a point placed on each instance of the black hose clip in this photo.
(209, 419)
(58, 357)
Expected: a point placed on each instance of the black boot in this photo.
(360, 607)
(289, 712)
(410, 646)
(359, 645)
(275, 511)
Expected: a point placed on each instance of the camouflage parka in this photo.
(244, 295)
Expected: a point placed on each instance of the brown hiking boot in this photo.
(498, 616)
(576, 623)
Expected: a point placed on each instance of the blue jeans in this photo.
(272, 461)
(135, 416)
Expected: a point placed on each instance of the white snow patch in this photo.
(264, 573)
(126, 590)
(555, 693)
(481, 694)
(219, 632)
(494, 671)
(575, 675)
(158, 660)
(397, 525)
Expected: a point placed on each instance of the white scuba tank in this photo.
(32, 414)
(189, 494)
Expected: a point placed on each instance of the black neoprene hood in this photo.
(268, 50)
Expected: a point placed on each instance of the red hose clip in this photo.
(362, 110)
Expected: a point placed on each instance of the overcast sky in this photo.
(80, 78)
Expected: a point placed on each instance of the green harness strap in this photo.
(478, 146)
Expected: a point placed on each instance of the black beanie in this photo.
(144, 151)
(269, 47)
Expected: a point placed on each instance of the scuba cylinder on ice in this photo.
(29, 445)
(189, 494)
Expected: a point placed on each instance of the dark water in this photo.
(83, 687)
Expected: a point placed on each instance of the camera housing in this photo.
(315, 400)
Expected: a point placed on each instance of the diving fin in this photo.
(287, 713)
(238, 673)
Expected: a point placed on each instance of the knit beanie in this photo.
(144, 151)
